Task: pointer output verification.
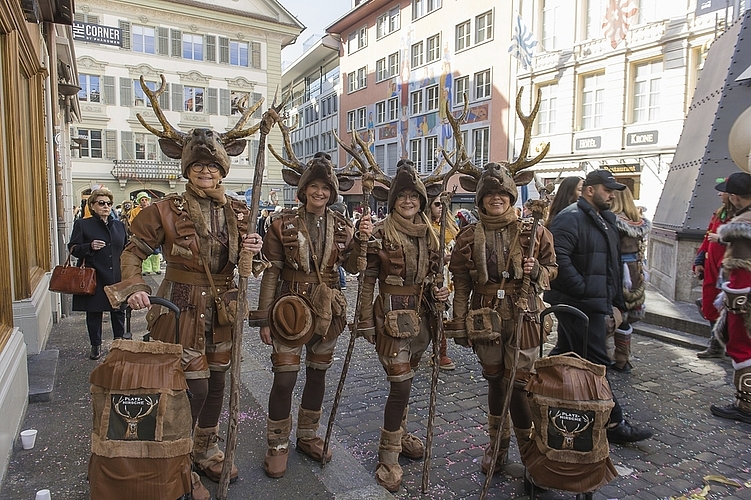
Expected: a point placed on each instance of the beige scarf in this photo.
(216, 195)
(416, 265)
(493, 223)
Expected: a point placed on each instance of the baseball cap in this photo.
(738, 183)
(604, 177)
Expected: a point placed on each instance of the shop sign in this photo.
(589, 142)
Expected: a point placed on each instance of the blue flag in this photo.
(523, 42)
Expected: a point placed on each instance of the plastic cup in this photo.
(43, 495)
(28, 438)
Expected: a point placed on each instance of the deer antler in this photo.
(527, 120)
(369, 163)
(169, 131)
(293, 163)
(237, 131)
(460, 162)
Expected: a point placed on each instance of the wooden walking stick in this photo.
(538, 211)
(245, 267)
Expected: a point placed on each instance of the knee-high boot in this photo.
(741, 409)
(496, 423)
(388, 472)
(207, 456)
(277, 452)
(412, 446)
(308, 441)
(622, 355)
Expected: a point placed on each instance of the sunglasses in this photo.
(198, 167)
(103, 203)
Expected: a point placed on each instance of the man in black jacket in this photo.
(589, 278)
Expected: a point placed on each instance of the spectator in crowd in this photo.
(589, 278)
(732, 327)
(707, 265)
(569, 191)
(445, 363)
(633, 229)
(98, 241)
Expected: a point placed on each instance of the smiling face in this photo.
(205, 177)
(407, 203)
(317, 194)
(496, 203)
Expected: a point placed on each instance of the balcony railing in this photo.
(147, 169)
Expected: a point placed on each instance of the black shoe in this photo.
(731, 412)
(96, 352)
(625, 433)
(626, 368)
(714, 350)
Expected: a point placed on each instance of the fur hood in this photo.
(638, 230)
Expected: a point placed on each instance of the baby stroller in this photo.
(141, 439)
(570, 400)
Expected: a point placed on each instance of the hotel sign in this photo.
(589, 142)
(639, 138)
(96, 33)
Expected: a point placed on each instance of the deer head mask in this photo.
(200, 144)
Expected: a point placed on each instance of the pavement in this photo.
(669, 390)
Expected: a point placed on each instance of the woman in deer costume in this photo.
(202, 232)
(406, 263)
(301, 303)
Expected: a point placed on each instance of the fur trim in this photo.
(639, 230)
(119, 292)
(303, 249)
(154, 347)
(730, 263)
(735, 230)
(720, 329)
(480, 255)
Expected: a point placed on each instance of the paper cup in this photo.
(28, 438)
(43, 495)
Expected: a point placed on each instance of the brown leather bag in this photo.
(73, 280)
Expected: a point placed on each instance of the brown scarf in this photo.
(216, 194)
(493, 223)
(191, 196)
(415, 227)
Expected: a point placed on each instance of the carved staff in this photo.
(244, 267)
(538, 210)
(362, 262)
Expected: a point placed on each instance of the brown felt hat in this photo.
(291, 320)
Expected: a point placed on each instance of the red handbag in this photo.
(73, 280)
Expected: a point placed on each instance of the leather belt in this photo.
(197, 279)
(300, 277)
(399, 289)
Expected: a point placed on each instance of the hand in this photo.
(441, 294)
(699, 272)
(253, 243)
(98, 244)
(529, 265)
(265, 335)
(365, 228)
(713, 237)
(139, 300)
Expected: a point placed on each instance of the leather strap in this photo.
(299, 276)
(285, 359)
(197, 279)
(399, 289)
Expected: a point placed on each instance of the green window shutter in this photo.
(213, 104)
(110, 144)
(126, 142)
(210, 48)
(223, 50)
(126, 92)
(259, 111)
(162, 46)
(177, 97)
(177, 43)
(225, 107)
(255, 54)
(109, 90)
(125, 34)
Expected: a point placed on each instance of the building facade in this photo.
(406, 64)
(213, 55)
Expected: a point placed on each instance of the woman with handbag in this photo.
(301, 304)
(202, 232)
(97, 242)
(399, 322)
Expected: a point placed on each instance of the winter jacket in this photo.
(589, 263)
(106, 261)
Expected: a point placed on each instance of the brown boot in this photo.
(523, 437)
(622, 354)
(445, 362)
(207, 457)
(308, 441)
(277, 439)
(740, 410)
(199, 490)
(388, 472)
(494, 423)
(412, 446)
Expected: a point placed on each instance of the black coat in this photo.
(589, 263)
(106, 261)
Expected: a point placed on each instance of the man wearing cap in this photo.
(301, 304)
(589, 278)
(734, 325)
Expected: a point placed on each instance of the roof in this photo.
(326, 47)
(354, 16)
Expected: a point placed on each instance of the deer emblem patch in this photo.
(133, 417)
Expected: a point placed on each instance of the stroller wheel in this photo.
(584, 496)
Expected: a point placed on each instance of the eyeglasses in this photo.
(103, 203)
(437, 204)
(413, 196)
(198, 167)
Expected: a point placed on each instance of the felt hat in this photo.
(319, 168)
(407, 178)
(291, 320)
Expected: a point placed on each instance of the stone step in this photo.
(42, 375)
(678, 316)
